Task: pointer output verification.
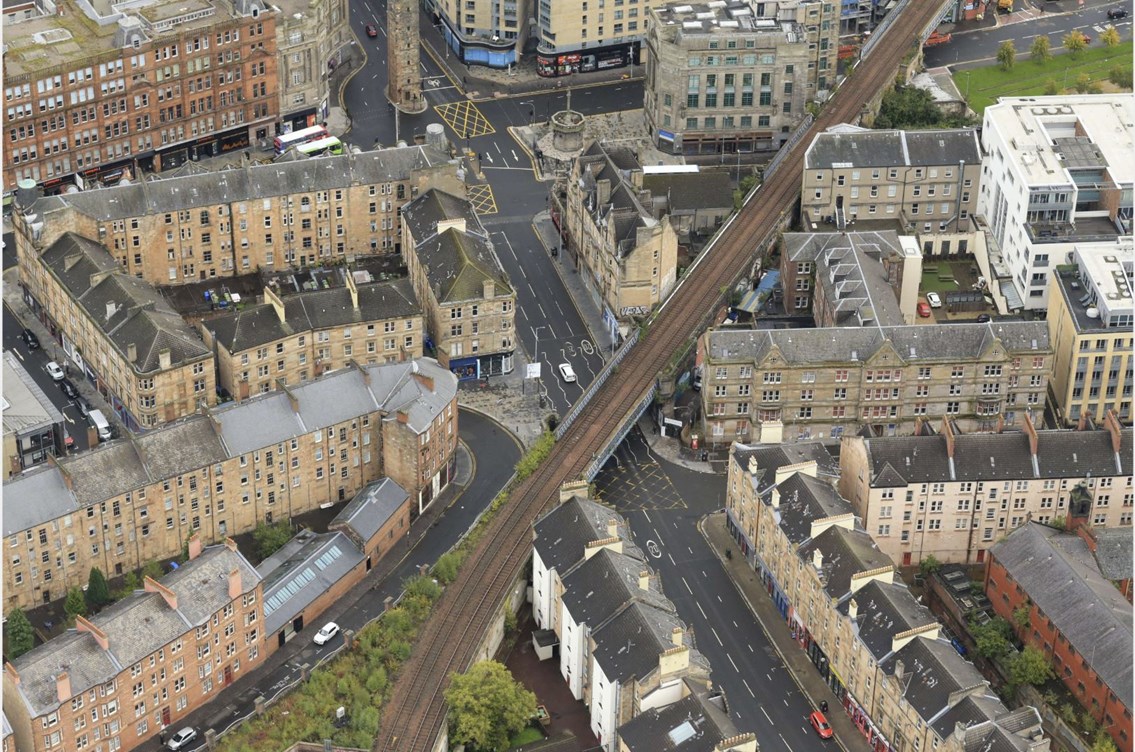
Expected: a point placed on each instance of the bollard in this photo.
(260, 705)
(210, 739)
(387, 602)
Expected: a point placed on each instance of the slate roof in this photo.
(688, 192)
(311, 311)
(135, 627)
(1113, 552)
(971, 710)
(370, 508)
(561, 535)
(897, 462)
(247, 183)
(26, 407)
(885, 609)
(943, 343)
(458, 263)
(305, 568)
(186, 445)
(628, 645)
(1017, 730)
(870, 148)
(771, 457)
(435, 205)
(845, 553)
(693, 724)
(932, 671)
(597, 587)
(126, 310)
(1059, 574)
(803, 500)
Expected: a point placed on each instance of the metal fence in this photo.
(797, 134)
(603, 375)
(603, 455)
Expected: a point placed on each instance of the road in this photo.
(548, 323)
(982, 45)
(495, 453)
(664, 503)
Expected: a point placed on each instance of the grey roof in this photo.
(248, 183)
(368, 511)
(562, 535)
(897, 462)
(884, 610)
(1114, 552)
(304, 569)
(1057, 571)
(849, 267)
(1017, 730)
(971, 710)
(932, 671)
(687, 192)
(422, 215)
(186, 445)
(844, 553)
(310, 311)
(135, 627)
(597, 587)
(870, 148)
(26, 406)
(803, 500)
(943, 343)
(696, 723)
(771, 457)
(127, 310)
(629, 644)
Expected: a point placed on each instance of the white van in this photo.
(99, 421)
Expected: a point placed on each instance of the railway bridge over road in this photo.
(416, 714)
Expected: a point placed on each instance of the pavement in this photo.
(775, 628)
(508, 400)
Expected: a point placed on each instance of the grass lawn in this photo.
(932, 283)
(527, 736)
(982, 86)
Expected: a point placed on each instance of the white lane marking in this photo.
(671, 558)
(719, 599)
(785, 742)
(734, 664)
(498, 147)
(647, 516)
(702, 611)
(514, 157)
(691, 592)
(539, 306)
(717, 637)
(690, 550)
(785, 700)
(762, 709)
(751, 648)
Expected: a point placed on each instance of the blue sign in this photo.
(666, 135)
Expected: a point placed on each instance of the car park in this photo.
(27, 336)
(330, 629)
(923, 309)
(933, 299)
(820, 724)
(69, 389)
(54, 371)
(372, 31)
(181, 739)
(566, 372)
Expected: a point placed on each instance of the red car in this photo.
(820, 723)
(372, 31)
(923, 309)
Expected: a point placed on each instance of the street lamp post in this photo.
(532, 111)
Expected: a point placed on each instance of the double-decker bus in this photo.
(286, 141)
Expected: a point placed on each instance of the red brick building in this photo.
(1076, 616)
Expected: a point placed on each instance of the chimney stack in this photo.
(63, 686)
(817, 558)
(1030, 431)
(753, 465)
(853, 609)
(82, 625)
(948, 432)
(612, 528)
(676, 636)
(132, 352)
(644, 580)
(150, 585)
(195, 546)
(899, 669)
(234, 585)
(1111, 423)
(573, 488)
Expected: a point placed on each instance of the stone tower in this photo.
(403, 76)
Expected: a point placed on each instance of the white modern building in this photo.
(1056, 174)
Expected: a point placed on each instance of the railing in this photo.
(786, 147)
(617, 437)
(603, 375)
(882, 27)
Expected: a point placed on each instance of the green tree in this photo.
(1120, 76)
(1007, 55)
(447, 566)
(1103, 743)
(1021, 617)
(98, 592)
(487, 706)
(991, 638)
(1110, 36)
(1074, 42)
(1051, 88)
(1041, 50)
(929, 565)
(1060, 523)
(1030, 666)
(75, 605)
(18, 633)
(1083, 83)
(270, 538)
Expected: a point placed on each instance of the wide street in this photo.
(982, 44)
(664, 502)
(548, 322)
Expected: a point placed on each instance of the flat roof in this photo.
(1101, 285)
(26, 407)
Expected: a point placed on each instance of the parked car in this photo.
(83, 405)
(69, 389)
(923, 309)
(984, 318)
(55, 371)
(372, 31)
(28, 337)
(1115, 13)
(181, 739)
(330, 629)
(820, 723)
(566, 372)
(933, 299)
(936, 39)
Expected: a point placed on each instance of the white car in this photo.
(933, 299)
(566, 373)
(55, 371)
(330, 629)
(181, 739)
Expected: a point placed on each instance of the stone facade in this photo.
(310, 37)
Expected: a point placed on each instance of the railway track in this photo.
(416, 712)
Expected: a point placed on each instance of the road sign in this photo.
(533, 371)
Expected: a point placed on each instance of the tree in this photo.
(1110, 37)
(270, 538)
(1120, 76)
(75, 605)
(1007, 55)
(991, 638)
(98, 592)
(1041, 50)
(19, 633)
(1021, 617)
(487, 706)
(1074, 42)
(1051, 88)
(1083, 83)
(1030, 666)
(929, 565)
(1103, 743)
